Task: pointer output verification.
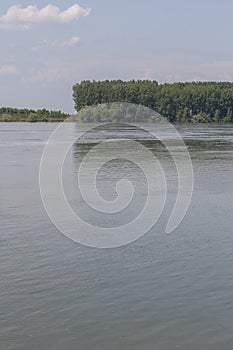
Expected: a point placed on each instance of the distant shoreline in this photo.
(113, 122)
(181, 102)
(9, 114)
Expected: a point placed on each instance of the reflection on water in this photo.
(162, 292)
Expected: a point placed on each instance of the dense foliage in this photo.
(120, 112)
(8, 114)
(197, 102)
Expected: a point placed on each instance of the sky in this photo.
(49, 45)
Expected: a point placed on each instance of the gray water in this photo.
(161, 292)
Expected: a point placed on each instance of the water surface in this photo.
(161, 292)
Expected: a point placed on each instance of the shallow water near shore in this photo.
(161, 292)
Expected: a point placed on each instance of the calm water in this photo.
(161, 292)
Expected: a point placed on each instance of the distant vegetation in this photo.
(196, 102)
(8, 114)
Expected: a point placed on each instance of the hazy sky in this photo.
(48, 45)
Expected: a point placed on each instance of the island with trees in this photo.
(181, 102)
(195, 102)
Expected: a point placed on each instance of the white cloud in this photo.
(57, 44)
(71, 42)
(49, 72)
(17, 17)
(216, 70)
(178, 68)
(46, 75)
(9, 69)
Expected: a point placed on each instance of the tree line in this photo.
(8, 114)
(196, 102)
